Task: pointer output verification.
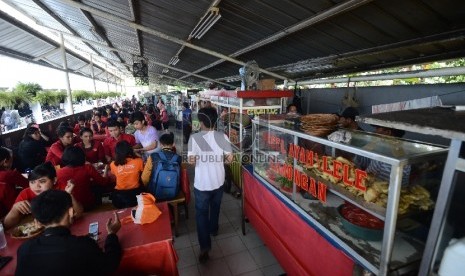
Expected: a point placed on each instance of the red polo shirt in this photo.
(9, 180)
(95, 153)
(77, 128)
(7, 198)
(14, 178)
(26, 194)
(55, 153)
(84, 177)
(110, 143)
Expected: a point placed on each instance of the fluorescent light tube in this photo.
(201, 24)
(218, 16)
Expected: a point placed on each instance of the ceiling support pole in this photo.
(92, 72)
(108, 85)
(69, 99)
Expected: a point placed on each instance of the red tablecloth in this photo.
(147, 249)
(298, 247)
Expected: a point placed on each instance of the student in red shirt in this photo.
(98, 125)
(9, 179)
(41, 179)
(127, 168)
(84, 176)
(65, 139)
(115, 136)
(93, 149)
(80, 124)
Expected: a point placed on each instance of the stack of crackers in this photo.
(319, 124)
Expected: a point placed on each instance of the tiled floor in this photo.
(232, 253)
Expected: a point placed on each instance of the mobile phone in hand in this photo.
(93, 230)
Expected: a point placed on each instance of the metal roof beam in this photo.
(187, 82)
(63, 23)
(458, 34)
(99, 30)
(151, 61)
(162, 35)
(47, 54)
(134, 7)
(451, 71)
(82, 67)
(175, 59)
(40, 36)
(324, 15)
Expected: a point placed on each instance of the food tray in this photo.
(17, 232)
(364, 233)
(357, 200)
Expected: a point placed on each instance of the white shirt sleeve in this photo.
(227, 146)
(136, 136)
(192, 147)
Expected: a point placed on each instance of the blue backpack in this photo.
(164, 183)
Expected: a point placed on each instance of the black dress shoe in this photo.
(203, 257)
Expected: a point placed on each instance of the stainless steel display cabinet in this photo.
(447, 122)
(241, 106)
(315, 176)
(244, 105)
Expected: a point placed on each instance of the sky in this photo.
(13, 71)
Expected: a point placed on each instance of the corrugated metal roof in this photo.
(296, 39)
(21, 42)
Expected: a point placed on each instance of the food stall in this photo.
(448, 213)
(306, 191)
(235, 110)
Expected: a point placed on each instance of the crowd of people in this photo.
(114, 152)
(103, 154)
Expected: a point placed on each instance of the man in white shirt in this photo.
(208, 150)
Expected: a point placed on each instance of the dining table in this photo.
(147, 249)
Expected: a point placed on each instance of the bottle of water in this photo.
(2, 237)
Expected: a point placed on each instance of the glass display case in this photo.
(372, 195)
(236, 109)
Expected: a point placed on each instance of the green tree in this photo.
(455, 63)
(29, 88)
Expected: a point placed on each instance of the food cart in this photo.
(315, 179)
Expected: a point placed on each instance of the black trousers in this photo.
(186, 132)
(125, 198)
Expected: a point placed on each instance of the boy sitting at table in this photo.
(109, 144)
(41, 179)
(89, 184)
(168, 148)
(9, 180)
(56, 251)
